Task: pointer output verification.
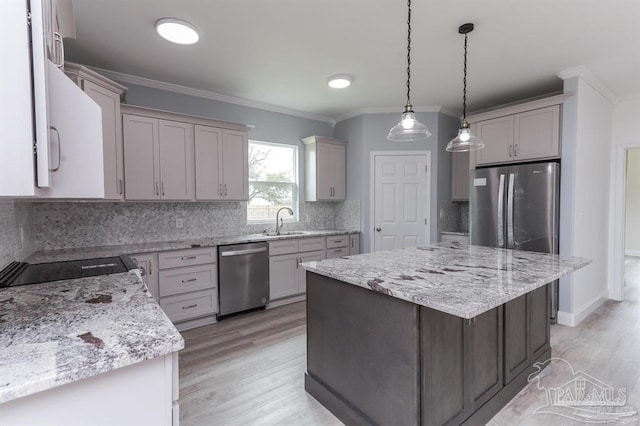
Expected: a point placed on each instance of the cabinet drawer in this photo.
(337, 241)
(190, 278)
(189, 257)
(190, 305)
(311, 244)
(283, 247)
(337, 252)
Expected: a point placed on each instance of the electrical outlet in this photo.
(441, 213)
(179, 223)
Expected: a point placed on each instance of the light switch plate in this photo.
(179, 223)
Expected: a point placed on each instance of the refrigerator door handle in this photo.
(501, 212)
(510, 239)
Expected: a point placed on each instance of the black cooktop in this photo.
(20, 273)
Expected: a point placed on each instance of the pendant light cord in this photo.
(409, 55)
(464, 81)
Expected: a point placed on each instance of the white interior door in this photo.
(400, 200)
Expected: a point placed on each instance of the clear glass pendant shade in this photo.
(408, 129)
(465, 141)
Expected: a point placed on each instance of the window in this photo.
(273, 181)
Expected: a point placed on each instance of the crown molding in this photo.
(386, 110)
(593, 80)
(170, 87)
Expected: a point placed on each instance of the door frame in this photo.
(372, 189)
(617, 210)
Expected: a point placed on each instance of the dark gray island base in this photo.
(376, 359)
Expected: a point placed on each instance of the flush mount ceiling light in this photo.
(408, 129)
(177, 31)
(465, 141)
(339, 81)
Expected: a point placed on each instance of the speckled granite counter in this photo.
(60, 332)
(151, 247)
(461, 280)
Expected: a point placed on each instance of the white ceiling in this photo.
(280, 52)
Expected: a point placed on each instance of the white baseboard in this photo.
(286, 301)
(571, 320)
(633, 253)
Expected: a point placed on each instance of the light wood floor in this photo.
(249, 370)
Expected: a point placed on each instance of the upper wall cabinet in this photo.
(171, 156)
(52, 131)
(524, 132)
(221, 164)
(325, 168)
(107, 94)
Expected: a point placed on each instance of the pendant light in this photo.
(408, 129)
(465, 141)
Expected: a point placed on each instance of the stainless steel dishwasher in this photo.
(243, 277)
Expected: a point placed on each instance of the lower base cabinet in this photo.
(286, 277)
(148, 266)
(464, 364)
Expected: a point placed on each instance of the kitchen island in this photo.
(444, 334)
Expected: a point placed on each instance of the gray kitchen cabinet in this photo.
(148, 265)
(523, 132)
(460, 176)
(108, 95)
(325, 168)
(469, 359)
(158, 159)
(354, 244)
(338, 246)
(286, 277)
(221, 164)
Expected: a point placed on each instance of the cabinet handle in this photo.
(352, 243)
(515, 150)
(120, 186)
(163, 188)
(150, 268)
(509, 150)
(190, 280)
(225, 189)
(220, 190)
(57, 40)
(188, 257)
(55, 169)
(190, 306)
(157, 188)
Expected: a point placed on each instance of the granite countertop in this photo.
(60, 332)
(460, 280)
(152, 247)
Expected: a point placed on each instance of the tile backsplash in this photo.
(455, 217)
(16, 231)
(84, 224)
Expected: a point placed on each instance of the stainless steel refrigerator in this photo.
(517, 207)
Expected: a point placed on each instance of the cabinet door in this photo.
(302, 273)
(354, 244)
(540, 328)
(497, 135)
(283, 276)
(109, 102)
(460, 176)
(537, 133)
(323, 172)
(208, 145)
(176, 160)
(235, 165)
(338, 171)
(484, 349)
(517, 352)
(141, 157)
(147, 263)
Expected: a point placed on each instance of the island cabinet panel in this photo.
(444, 398)
(484, 348)
(540, 313)
(363, 353)
(517, 352)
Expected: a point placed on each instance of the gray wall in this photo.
(368, 133)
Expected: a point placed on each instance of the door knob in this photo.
(378, 229)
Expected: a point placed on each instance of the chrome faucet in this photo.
(280, 223)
